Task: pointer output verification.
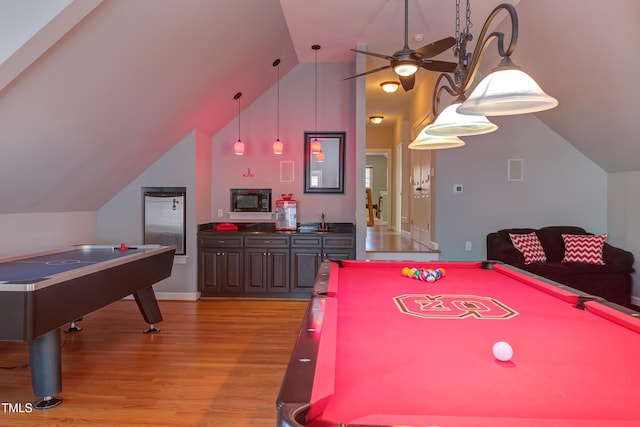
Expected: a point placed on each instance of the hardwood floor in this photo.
(216, 362)
(381, 238)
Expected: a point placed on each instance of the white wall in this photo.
(120, 219)
(29, 233)
(623, 223)
(560, 187)
(297, 115)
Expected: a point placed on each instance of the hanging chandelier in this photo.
(507, 90)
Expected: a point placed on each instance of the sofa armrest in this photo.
(617, 258)
(499, 249)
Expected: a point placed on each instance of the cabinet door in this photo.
(337, 253)
(278, 271)
(231, 270)
(304, 268)
(220, 270)
(255, 266)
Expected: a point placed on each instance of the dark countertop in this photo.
(270, 227)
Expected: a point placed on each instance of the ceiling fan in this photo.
(406, 61)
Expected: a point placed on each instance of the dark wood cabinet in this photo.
(220, 266)
(266, 264)
(309, 250)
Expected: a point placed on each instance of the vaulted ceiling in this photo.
(94, 91)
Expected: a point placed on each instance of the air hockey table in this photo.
(42, 292)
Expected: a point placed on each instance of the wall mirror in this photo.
(324, 171)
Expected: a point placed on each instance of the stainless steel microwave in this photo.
(250, 200)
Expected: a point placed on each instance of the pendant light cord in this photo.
(237, 96)
(316, 47)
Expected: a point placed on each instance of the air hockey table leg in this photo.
(46, 369)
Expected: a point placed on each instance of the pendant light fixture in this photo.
(316, 147)
(507, 90)
(427, 141)
(238, 147)
(277, 145)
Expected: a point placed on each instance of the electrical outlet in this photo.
(220, 213)
(467, 246)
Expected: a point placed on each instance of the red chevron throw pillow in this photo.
(530, 246)
(583, 248)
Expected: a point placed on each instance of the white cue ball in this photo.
(502, 351)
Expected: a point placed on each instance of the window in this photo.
(368, 177)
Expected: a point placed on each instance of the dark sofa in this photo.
(611, 281)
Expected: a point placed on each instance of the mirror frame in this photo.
(308, 137)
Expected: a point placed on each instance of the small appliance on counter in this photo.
(250, 200)
(286, 214)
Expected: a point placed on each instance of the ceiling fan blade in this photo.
(436, 48)
(378, 55)
(407, 82)
(375, 70)
(439, 66)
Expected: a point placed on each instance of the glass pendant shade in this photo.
(426, 141)
(506, 92)
(238, 148)
(316, 147)
(451, 123)
(278, 147)
(320, 157)
(405, 69)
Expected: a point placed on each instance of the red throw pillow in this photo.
(530, 246)
(583, 248)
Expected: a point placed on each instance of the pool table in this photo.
(377, 348)
(42, 292)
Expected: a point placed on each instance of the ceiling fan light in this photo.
(278, 146)
(238, 148)
(426, 141)
(390, 87)
(451, 123)
(405, 69)
(507, 92)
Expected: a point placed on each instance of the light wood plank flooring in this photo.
(216, 362)
(381, 238)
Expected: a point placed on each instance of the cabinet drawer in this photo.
(337, 241)
(221, 242)
(267, 241)
(306, 241)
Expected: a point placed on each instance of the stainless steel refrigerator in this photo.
(164, 219)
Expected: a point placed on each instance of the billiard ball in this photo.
(502, 351)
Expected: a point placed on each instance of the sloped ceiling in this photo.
(106, 87)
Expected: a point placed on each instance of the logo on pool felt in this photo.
(453, 306)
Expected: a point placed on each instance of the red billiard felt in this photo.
(379, 365)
